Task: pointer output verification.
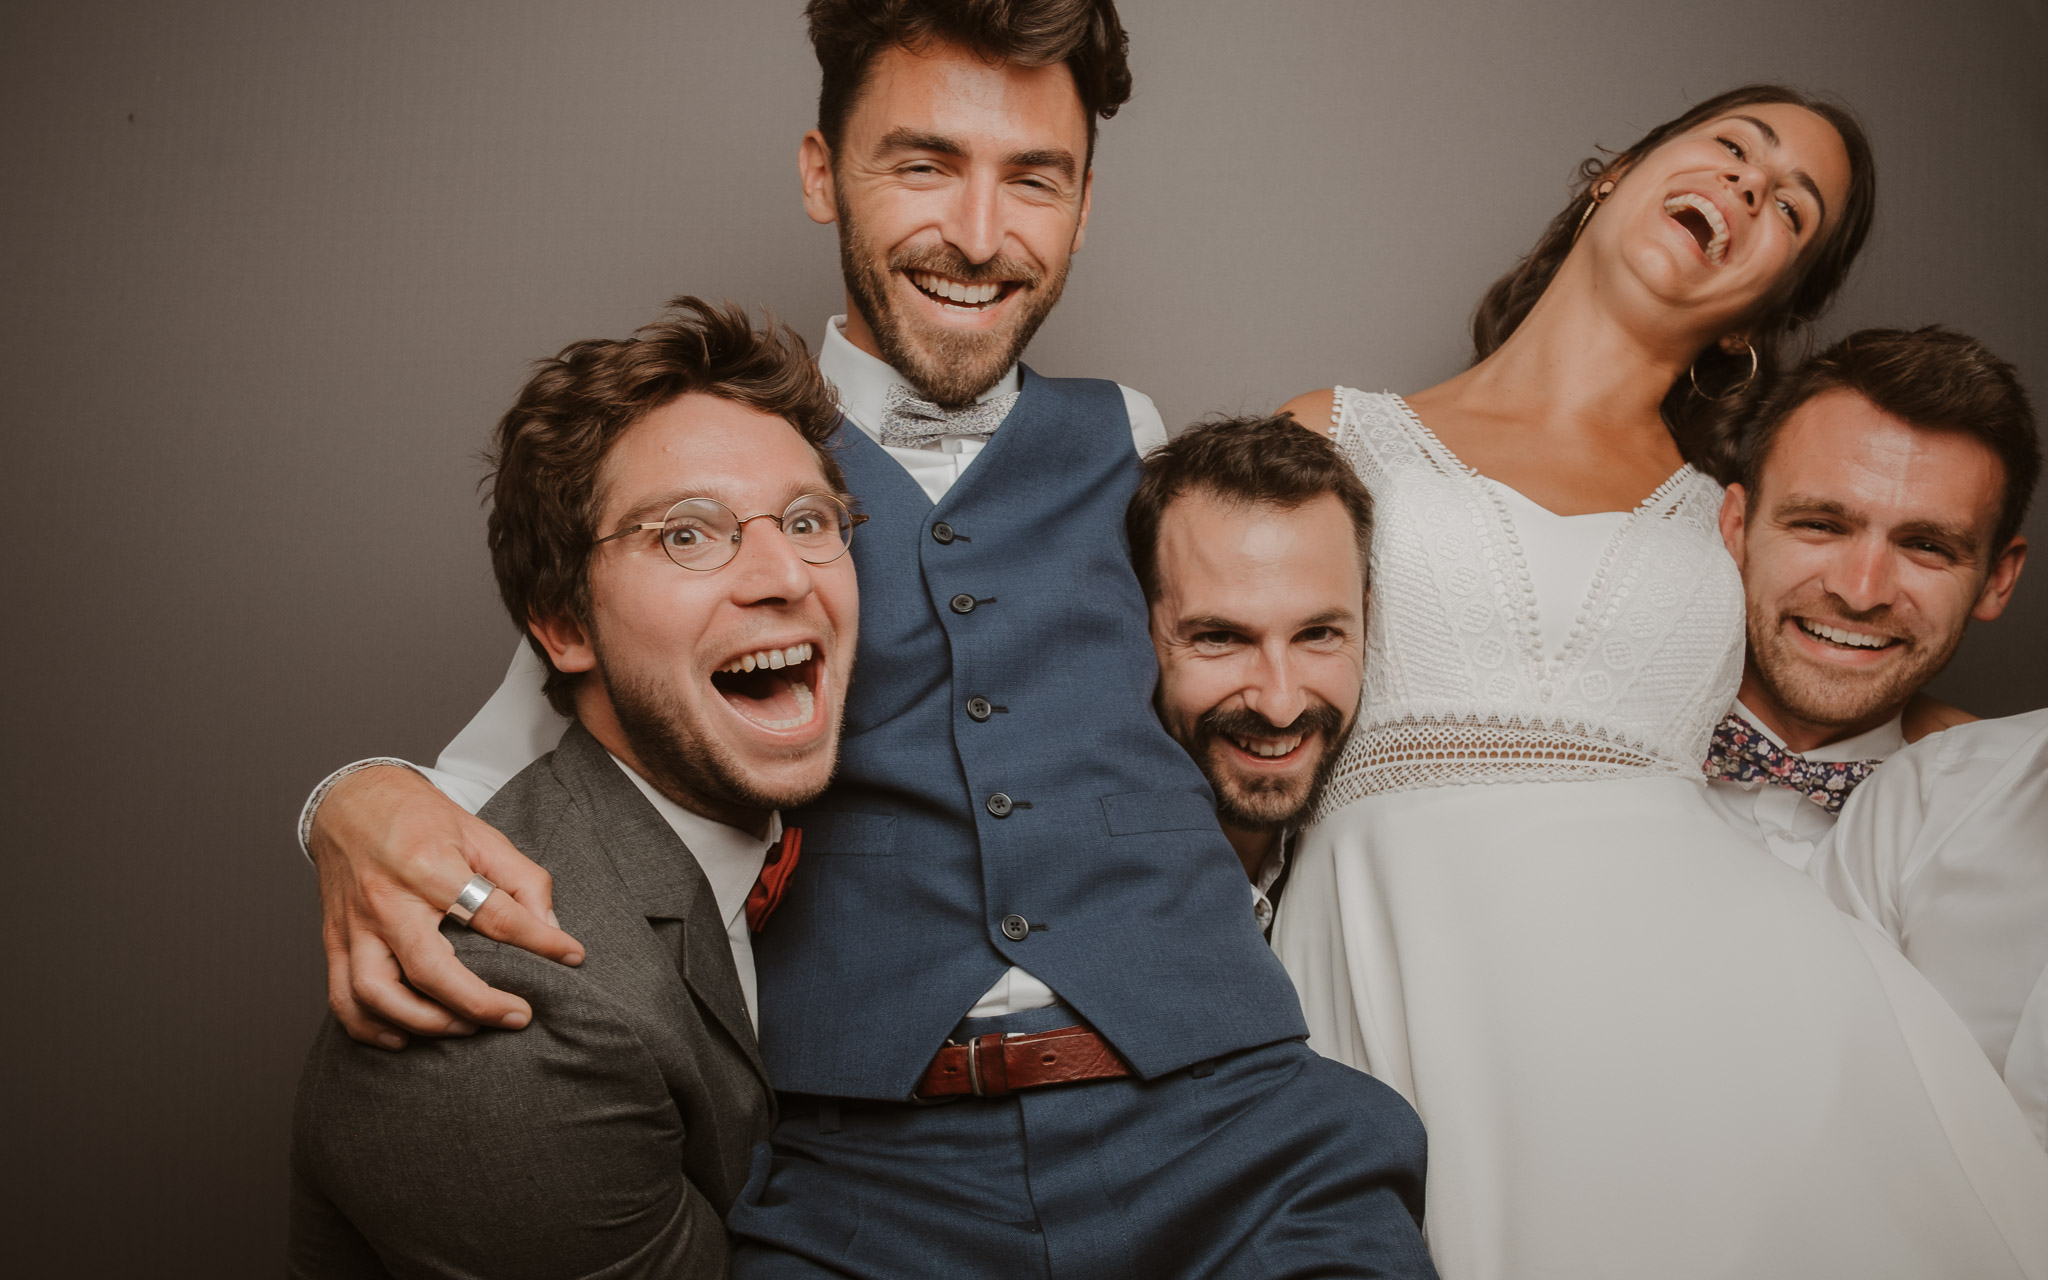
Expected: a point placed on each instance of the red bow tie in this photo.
(774, 879)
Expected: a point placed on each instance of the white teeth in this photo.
(1269, 749)
(806, 707)
(972, 295)
(770, 659)
(1854, 639)
(1717, 247)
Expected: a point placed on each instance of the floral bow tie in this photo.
(1741, 753)
(908, 422)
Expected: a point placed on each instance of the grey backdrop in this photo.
(271, 270)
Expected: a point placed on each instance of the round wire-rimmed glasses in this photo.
(702, 534)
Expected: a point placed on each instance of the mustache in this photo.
(1242, 722)
(945, 260)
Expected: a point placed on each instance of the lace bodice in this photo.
(1458, 688)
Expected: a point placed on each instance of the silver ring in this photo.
(471, 899)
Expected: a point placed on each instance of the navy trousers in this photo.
(1266, 1164)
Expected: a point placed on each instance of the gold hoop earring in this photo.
(1692, 372)
(1599, 197)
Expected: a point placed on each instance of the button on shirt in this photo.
(731, 860)
(1779, 818)
(1945, 851)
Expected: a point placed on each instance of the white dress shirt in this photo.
(731, 860)
(517, 726)
(1781, 819)
(1945, 851)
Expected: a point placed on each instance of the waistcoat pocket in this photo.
(1138, 812)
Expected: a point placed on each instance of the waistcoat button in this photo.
(999, 805)
(1016, 928)
(962, 603)
(979, 708)
(942, 533)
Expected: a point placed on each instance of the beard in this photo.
(1830, 696)
(685, 760)
(948, 367)
(1267, 804)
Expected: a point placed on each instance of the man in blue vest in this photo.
(1015, 1003)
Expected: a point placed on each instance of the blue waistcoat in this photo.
(1005, 792)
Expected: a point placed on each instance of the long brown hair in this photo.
(1707, 428)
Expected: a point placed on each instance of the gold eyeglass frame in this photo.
(854, 520)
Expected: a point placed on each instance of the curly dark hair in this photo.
(1706, 425)
(1084, 34)
(551, 445)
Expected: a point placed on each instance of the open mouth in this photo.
(1702, 221)
(1276, 750)
(959, 295)
(774, 688)
(1845, 638)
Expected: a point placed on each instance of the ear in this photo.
(1087, 201)
(1735, 522)
(814, 170)
(567, 642)
(1999, 583)
(1735, 343)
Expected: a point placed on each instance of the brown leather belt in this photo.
(993, 1066)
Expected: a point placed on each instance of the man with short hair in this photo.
(1251, 538)
(701, 657)
(1014, 898)
(1878, 514)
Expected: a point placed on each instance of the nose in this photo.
(766, 569)
(975, 224)
(1746, 181)
(1275, 690)
(1863, 576)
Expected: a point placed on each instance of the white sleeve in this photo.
(1148, 429)
(514, 729)
(1862, 862)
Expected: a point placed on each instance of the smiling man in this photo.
(670, 533)
(1015, 898)
(1251, 538)
(1879, 514)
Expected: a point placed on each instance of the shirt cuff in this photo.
(327, 784)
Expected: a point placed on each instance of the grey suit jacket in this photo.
(606, 1139)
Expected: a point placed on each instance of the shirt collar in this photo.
(863, 381)
(1879, 743)
(730, 858)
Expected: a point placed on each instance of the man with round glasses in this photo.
(699, 704)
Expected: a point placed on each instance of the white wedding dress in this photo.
(1642, 1048)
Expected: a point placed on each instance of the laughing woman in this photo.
(1641, 1047)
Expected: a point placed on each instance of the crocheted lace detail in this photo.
(1458, 688)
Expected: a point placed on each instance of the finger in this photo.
(377, 983)
(511, 922)
(491, 855)
(433, 970)
(360, 1024)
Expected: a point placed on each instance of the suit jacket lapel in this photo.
(662, 876)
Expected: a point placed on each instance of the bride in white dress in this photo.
(1642, 1048)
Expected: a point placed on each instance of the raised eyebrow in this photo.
(1058, 159)
(1799, 176)
(905, 138)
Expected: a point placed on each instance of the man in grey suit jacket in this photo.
(703, 657)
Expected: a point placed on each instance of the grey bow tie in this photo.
(908, 422)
